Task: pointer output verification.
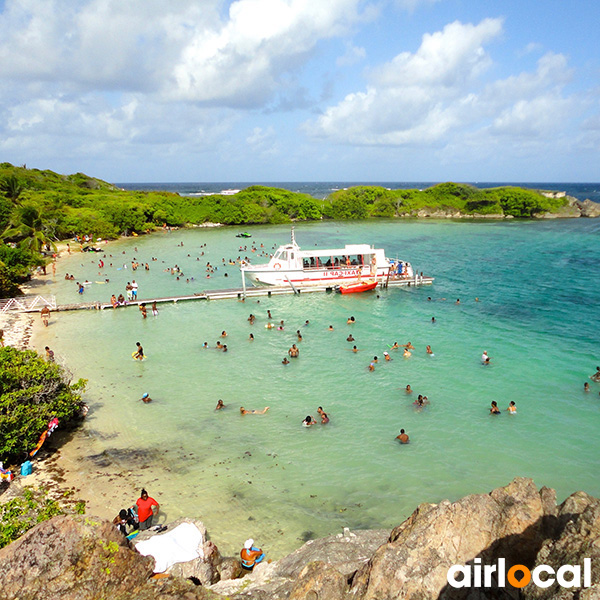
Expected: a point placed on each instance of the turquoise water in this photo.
(267, 476)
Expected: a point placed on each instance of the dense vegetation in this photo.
(38, 208)
(20, 514)
(32, 393)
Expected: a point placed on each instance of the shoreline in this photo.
(63, 467)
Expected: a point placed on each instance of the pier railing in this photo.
(27, 303)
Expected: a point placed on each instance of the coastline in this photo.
(65, 465)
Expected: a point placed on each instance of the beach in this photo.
(266, 475)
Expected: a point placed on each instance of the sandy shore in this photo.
(67, 465)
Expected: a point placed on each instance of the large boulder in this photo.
(577, 537)
(82, 558)
(509, 522)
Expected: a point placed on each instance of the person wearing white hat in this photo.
(250, 556)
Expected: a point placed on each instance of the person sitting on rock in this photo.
(251, 556)
(123, 520)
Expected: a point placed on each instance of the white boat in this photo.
(301, 268)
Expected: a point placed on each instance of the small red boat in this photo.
(357, 286)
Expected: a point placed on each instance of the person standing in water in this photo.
(139, 353)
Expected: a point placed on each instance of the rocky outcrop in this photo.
(76, 558)
(80, 558)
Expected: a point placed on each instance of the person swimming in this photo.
(350, 338)
(351, 321)
(146, 398)
(324, 417)
(285, 361)
(395, 346)
(408, 389)
(387, 356)
(512, 408)
(308, 421)
(494, 410)
(219, 405)
(429, 351)
(407, 353)
(294, 352)
(243, 411)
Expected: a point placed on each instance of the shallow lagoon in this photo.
(538, 285)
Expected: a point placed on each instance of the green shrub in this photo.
(32, 392)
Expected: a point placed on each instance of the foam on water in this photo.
(266, 475)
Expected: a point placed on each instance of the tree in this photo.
(11, 187)
(32, 392)
(27, 229)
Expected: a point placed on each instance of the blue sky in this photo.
(302, 90)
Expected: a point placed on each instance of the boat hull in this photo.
(357, 288)
(299, 278)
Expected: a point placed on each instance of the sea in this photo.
(527, 292)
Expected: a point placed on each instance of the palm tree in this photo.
(11, 187)
(27, 229)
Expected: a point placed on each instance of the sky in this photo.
(302, 90)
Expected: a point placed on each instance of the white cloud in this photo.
(436, 97)
(242, 62)
(411, 98)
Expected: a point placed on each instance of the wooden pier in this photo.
(229, 294)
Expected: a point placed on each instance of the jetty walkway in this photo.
(34, 305)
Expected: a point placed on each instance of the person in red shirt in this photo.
(147, 507)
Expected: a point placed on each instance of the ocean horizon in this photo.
(322, 189)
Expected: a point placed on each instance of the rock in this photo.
(230, 568)
(82, 558)
(319, 581)
(414, 563)
(589, 208)
(577, 537)
(347, 553)
(74, 557)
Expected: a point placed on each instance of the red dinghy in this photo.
(358, 286)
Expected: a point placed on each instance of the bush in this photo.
(22, 513)
(32, 392)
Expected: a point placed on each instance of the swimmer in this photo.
(281, 326)
(586, 387)
(430, 351)
(354, 349)
(308, 421)
(485, 359)
(219, 346)
(350, 338)
(146, 398)
(324, 417)
(251, 319)
(224, 347)
(407, 353)
(375, 359)
(596, 376)
(219, 405)
(294, 352)
(408, 389)
(330, 328)
(223, 334)
(371, 366)
(139, 353)
(387, 356)
(205, 346)
(512, 408)
(306, 323)
(408, 346)
(395, 346)
(457, 301)
(251, 337)
(243, 411)
(154, 309)
(269, 326)
(494, 410)
(403, 437)
(299, 335)
(432, 320)
(351, 321)
(269, 315)
(285, 361)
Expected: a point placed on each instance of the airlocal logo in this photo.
(518, 576)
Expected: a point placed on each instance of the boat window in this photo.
(291, 256)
